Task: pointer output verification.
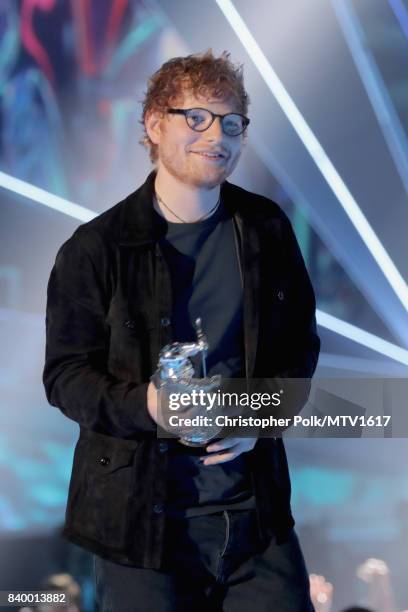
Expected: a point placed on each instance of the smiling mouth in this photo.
(210, 156)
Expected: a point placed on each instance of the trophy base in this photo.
(188, 443)
(197, 443)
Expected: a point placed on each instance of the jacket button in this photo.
(158, 508)
(163, 447)
(164, 321)
(129, 324)
(281, 295)
(104, 461)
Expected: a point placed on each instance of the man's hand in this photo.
(230, 449)
(152, 401)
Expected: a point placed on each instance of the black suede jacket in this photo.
(108, 316)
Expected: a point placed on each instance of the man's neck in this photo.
(188, 202)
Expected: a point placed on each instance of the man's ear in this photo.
(153, 121)
(245, 138)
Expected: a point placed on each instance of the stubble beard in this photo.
(190, 174)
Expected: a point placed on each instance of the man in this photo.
(174, 527)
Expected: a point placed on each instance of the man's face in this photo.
(179, 146)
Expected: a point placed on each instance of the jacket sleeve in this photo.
(75, 374)
(304, 339)
(302, 342)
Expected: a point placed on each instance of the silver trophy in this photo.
(175, 367)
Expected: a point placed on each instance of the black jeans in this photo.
(212, 563)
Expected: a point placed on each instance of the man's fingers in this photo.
(230, 446)
(221, 444)
(218, 458)
(235, 447)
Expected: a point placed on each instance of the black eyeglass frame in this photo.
(184, 111)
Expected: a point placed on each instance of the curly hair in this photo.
(201, 74)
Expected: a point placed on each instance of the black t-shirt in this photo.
(206, 283)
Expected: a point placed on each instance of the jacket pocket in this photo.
(103, 497)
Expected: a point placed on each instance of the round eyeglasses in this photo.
(200, 119)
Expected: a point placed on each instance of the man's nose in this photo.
(214, 132)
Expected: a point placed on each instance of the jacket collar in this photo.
(138, 223)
